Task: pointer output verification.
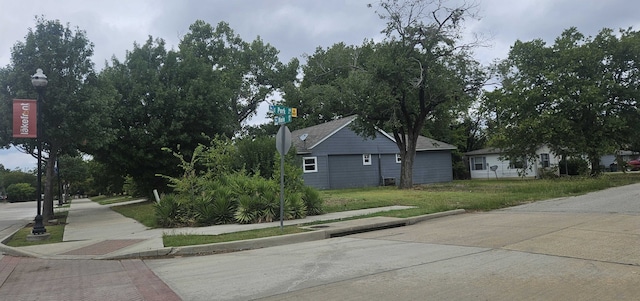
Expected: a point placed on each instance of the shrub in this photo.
(312, 200)
(574, 167)
(294, 207)
(21, 192)
(224, 194)
(257, 198)
(224, 205)
(175, 211)
(548, 172)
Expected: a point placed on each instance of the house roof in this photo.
(307, 138)
(424, 144)
(484, 151)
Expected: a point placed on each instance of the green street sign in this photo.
(282, 119)
(280, 110)
(282, 114)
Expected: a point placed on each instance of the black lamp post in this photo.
(39, 82)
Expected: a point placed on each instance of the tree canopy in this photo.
(578, 96)
(75, 104)
(420, 71)
(179, 98)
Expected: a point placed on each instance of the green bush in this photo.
(256, 155)
(294, 207)
(20, 192)
(226, 194)
(574, 166)
(258, 198)
(548, 172)
(312, 200)
(223, 205)
(175, 211)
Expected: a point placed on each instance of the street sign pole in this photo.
(282, 145)
(282, 115)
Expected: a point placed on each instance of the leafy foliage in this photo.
(578, 96)
(256, 155)
(15, 176)
(214, 190)
(422, 71)
(75, 104)
(21, 192)
(210, 85)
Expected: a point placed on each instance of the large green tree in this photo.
(73, 174)
(74, 106)
(325, 92)
(421, 70)
(578, 95)
(210, 85)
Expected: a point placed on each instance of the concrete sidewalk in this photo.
(94, 231)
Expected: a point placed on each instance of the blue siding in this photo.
(318, 179)
(347, 171)
(339, 160)
(432, 167)
(389, 167)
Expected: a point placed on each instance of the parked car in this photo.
(634, 164)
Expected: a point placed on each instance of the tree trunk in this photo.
(595, 165)
(408, 155)
(47, 206)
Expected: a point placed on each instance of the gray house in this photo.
(334, 156)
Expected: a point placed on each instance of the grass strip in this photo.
(143, 212)
(104, 200)
(179, 240)
(19, 239)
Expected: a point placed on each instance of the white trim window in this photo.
(478, 163)
(366, 159)
(544, 160)
(398, 158)
(310, 164)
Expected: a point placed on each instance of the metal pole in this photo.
(60, 201)
(38, 227)
(282, 178)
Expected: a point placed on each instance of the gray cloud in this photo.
(296, 27)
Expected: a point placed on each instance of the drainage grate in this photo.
(364, 230)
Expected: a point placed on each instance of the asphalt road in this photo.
(577, 248)
(15, 215)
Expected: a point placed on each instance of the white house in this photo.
(486, 164)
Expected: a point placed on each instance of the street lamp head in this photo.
(39, 80)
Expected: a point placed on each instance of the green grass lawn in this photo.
(143, 212)
(19, 239)
(473, 195)
(190, 240)
(468, 194)
(105, 200)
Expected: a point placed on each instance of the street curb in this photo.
(265, 242)
(11, 250)
(421, 218)
(17, 252)
(319, 232)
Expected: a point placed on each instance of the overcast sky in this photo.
(295, 27)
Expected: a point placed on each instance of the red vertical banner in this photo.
(25, 118)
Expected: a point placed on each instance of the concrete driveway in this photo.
(577, 248)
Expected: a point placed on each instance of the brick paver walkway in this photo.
(42, 279)
(104, 247)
